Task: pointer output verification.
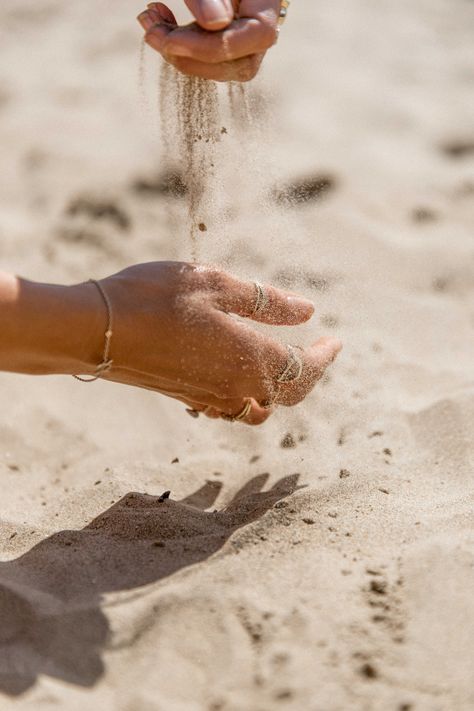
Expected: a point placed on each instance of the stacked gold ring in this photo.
(261, 299)
(285, 4)
(241, 415)
(292, 372)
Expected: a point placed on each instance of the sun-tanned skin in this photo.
(173, 333)
(226, 43)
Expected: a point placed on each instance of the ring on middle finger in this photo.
(261, 300)
(293, 369)
(292, 372)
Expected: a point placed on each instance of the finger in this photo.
(159, 21)
(146, 20)
(257, 414)
(275, 306)
(259, 8)
(253, 419)
(216, 408)
(157, 14)
(163, 12)
(316, 359)
(156, 35)
(212, 15)
(210, 405)
(241, 70)
(243, 38)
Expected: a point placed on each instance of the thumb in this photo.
(212, 14)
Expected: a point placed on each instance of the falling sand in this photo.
(191, 128)
(189, 112)
(190, 117)
(340, 596)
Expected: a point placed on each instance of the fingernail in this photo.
(145, 20)
(154, 14)
(216, 12)
(192, 413)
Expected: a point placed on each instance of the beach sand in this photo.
(335, 573)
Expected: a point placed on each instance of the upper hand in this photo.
(173, 333)
(223, 44)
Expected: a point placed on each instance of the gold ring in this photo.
(285, 4)
(245, 411)
(261, 299)
(241, 415)
(292, 372)
(293, 369)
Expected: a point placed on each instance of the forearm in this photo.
(46, 328)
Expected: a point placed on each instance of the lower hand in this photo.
(173, 334)
(222, 45)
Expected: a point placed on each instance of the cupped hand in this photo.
(226, 43)
(175, 332)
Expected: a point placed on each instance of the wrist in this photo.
(48, 328)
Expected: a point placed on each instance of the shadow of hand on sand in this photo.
(51, 621)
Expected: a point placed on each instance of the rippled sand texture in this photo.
(325, 561)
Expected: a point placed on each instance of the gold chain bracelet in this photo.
(106, 363)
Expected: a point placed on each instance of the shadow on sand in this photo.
(51, 621)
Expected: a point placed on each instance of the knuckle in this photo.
(215, 280)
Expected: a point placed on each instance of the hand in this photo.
(173, 334)
(221, 45)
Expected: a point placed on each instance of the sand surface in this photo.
(333, 575)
